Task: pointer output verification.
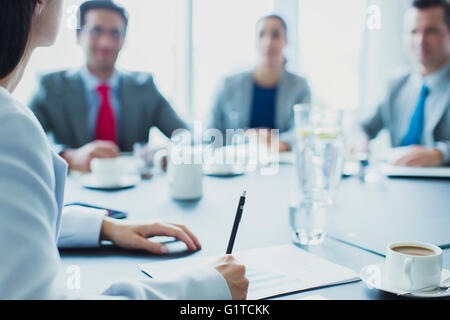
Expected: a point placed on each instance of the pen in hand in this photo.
(237, 220)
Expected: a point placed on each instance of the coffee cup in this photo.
(107, 171)
(184, 171)
(413, 265)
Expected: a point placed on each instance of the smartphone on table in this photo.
(116, 214)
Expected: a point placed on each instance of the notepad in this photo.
(419, 172)
(271, 271)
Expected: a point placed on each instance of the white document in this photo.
(390, 156)
(402, 171)
(271, 271)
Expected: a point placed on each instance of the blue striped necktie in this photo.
(414, 134)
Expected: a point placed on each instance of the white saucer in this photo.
(374, 276)
(91, 181)
(223, 170)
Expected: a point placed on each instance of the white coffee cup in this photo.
(108, 171)
(184, 171)
(413, 265)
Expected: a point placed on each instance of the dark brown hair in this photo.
(275, 16)
(15, 25)
(444, 4)
(100, 5)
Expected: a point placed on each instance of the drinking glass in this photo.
(319, 162)
(307, 220)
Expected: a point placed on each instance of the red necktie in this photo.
(106, 120)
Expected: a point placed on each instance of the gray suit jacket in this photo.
(233, 102)
(395, 111)
(60, 105)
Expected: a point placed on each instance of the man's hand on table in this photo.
(80, 159)
(420, 156)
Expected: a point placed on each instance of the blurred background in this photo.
(347, 49)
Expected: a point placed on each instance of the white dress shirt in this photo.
(33, 222)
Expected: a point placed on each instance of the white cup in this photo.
(411, 272)
(108, 171)
(184, 171)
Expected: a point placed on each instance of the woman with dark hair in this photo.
(32, 220)
(263, 97)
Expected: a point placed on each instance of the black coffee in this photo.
(414, 251)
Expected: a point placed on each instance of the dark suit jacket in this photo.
(60, 105)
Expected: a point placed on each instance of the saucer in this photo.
(91, 181)
(223, 170)
(375, 277)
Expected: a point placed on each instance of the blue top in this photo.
(263, 107)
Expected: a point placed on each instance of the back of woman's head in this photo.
(15, 25)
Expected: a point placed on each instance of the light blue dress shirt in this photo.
(91, 83)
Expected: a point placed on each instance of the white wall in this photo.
(288, 9)
(384, 51)
(330, 41)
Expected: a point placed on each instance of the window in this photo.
(224, 43)
(331, 40)
(190, 45)
(151, 42)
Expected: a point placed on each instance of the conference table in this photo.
(364, 218)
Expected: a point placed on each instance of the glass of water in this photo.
(307, 220)
(319, 162)
(319, 152)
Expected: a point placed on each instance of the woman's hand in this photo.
(234, 274)
(135, 236)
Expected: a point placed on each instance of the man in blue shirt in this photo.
(416, 109)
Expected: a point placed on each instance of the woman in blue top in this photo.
(263, 97)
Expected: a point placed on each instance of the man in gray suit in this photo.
(416, 109)
(99, 111)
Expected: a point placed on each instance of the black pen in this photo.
(237, 219)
